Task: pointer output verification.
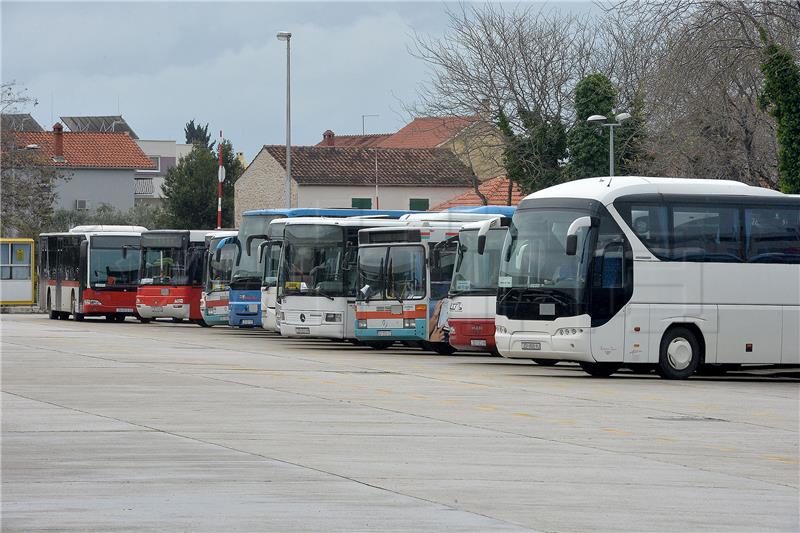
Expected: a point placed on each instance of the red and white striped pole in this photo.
(220, 179)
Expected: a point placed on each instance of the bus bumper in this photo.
(245, 314)
(476, 334)
(180, 311)
(561, 340)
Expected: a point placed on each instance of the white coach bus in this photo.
(675, 273)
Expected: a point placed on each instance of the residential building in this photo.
(164, 155)
(330, 176)
(98, 168)
(495, 192)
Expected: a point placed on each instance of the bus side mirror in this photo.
(250, 241)
(261, 248)
(125, 251)
(572, 232)
(483, 231)
(84, 251)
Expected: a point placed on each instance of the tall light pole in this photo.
(287, 36)
(601, 120)
(363, 123)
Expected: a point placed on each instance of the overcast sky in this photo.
(161, 64)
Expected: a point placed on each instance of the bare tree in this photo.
(27, 185)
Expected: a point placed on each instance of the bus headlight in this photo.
(362, 324)
(178, 300)
(409, 323)
(333, 317)
(92, 302)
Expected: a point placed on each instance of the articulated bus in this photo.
(218, 260)
(171, 275)
(473, 291)
(245, 287)
(670, 273)
(403, 279)
(90, 271)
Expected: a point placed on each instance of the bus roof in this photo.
(195, 235)
(315, 212)
(100, 228)
(90, 234)
(504, 210)
(608, 189)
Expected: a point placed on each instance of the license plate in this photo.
(384, 333)
(477, 342)
(302, 331)
(124, 310)
(247, 322)
(157, 309)
(531, 345)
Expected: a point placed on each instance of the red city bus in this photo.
(171, 275)
(90, 271)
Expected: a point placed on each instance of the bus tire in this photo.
(78, 317)
(545, 362)
(110, 318)
(202, 323)
(177, 320)
(442, 348)
(679, 355)
(600, 370)
(119, 317)
(144, 320)
(52, 315)
(379, 345)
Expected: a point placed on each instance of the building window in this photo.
(361, 203)
(419, 204)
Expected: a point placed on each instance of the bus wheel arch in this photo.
(681, 351)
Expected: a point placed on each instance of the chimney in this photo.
(328, 138)
(58, 140)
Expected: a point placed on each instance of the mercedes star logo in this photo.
(302, 317)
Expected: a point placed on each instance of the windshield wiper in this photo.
(322, 293)
(525, 290)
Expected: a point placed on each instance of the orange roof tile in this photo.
(357, 141)
(426, 132)
(495, 190)
(88, 149)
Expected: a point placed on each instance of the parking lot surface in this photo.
(173, 427)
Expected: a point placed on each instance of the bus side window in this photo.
(772, 235)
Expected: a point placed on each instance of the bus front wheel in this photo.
(545, 362)
(78, 317)
(379, 345)
(679, 355)
(600, 370)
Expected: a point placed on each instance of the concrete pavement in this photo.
(172, 427)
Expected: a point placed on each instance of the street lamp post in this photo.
(601, 120)
(287, 36)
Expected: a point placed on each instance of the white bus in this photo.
(317, 277)
(270, 253)
(675, 273)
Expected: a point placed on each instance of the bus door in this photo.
(58, 271)
(442, 264)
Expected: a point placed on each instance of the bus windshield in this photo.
(392, 273)
(170, 266)
(477, 274)
(314, 261)
(114, 262)
(248, 267)
(218, 272)
(271, 261)
(534, 257)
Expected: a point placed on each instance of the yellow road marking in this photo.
(618, 431)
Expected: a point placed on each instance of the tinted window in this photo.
(772, 234)
(705, 233)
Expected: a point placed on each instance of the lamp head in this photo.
(284, 35)
(622, 116)
(597, 119)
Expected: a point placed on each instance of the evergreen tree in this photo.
(781, 97)
(197, 134)
(587, 143)
(532, 157)
(190, 188)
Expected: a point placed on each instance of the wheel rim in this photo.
(679, 353)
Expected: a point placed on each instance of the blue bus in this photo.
(245, 287)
